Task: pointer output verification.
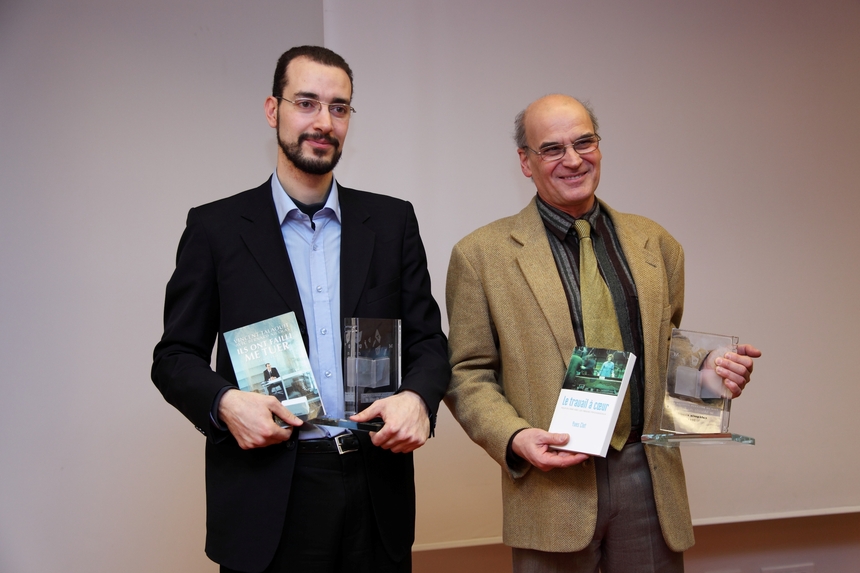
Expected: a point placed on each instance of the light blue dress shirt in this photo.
(315, 256)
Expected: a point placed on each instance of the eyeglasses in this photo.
(310, 106)
(581, 146)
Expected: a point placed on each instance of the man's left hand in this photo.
(735, 368)
(407, 422)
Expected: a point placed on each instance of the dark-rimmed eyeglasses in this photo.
(309, 106)
(556, 151)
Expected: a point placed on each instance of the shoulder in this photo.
(647, 228)
(501, 230)
(372, 202)
(504, 239)
(635, 222)
(256, 198)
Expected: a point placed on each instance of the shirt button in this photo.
(328, 373)
(315, 247)
(323, 330)
(319, 289)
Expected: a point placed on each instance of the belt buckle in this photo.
(344, 449)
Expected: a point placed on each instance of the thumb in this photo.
(749, 350)
(284, 414)
(557, 439)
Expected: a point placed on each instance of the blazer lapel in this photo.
(356, 250)
(261, 232)
(643, 258)
(541, 274)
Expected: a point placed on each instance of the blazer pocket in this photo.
(381, 291)
(667, 314)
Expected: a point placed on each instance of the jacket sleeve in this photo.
(425, 348)
(181, 360)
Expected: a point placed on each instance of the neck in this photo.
(304, 187)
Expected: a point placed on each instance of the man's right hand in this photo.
(249, 418)
(533, 445)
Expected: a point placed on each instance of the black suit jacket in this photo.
(272, 374)
(232, 269)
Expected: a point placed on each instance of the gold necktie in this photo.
(599, 320)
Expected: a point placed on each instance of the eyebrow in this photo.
(312, 95)
(546, 144)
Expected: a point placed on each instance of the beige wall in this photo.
(731, 123)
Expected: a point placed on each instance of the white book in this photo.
(591, 397)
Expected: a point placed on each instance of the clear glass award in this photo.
(697, 405)
(371, 361)
(371, 366)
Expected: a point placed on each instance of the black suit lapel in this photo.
(356, 250)
(261, 232)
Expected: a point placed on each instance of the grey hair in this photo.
(520, 124)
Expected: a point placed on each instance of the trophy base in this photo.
(372, 426)
(675, 440)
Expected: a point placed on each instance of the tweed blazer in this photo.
(510, 341)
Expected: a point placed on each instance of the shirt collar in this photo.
(284, 204)
(560, 223)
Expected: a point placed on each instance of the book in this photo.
(372, 361)
(269, 358)
(696, 399)
(590, 399)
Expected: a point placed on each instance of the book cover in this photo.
(591, 397)
(269, 358)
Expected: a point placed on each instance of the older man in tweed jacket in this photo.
(515, 317)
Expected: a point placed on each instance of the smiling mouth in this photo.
(573, 177)
(319, 141)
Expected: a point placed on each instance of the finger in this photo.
(284, 414)
(399, 442)
(552, 459)
(734, 364)
(733, 388)
(372, 411)
(749, 350)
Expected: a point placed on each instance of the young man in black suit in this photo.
(282, 498)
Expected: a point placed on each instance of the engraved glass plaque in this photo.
(371, 361)
(697, 405)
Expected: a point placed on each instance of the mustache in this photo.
(326, 137)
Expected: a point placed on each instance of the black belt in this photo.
(340, 444)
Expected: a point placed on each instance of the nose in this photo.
(322, 121)
(571, 158)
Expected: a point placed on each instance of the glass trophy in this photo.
(371, 368)
(697, 405)
(371, 361)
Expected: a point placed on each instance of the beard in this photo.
(314, 165)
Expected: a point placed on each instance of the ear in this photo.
(524, 162)
(271, 108)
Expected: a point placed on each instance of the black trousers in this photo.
(330, 526)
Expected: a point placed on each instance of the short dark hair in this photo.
(520, 124)
(316, 54)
